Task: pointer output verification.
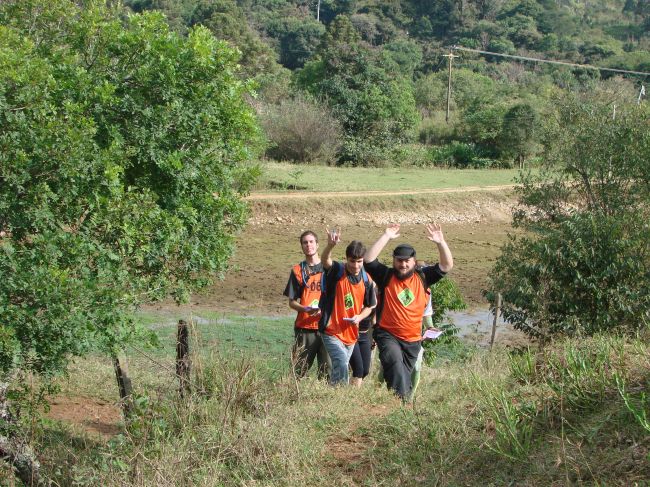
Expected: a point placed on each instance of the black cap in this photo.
(404, 251)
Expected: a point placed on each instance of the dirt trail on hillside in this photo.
(332, 194)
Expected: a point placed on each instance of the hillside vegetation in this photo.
(364, 82)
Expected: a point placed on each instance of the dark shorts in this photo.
(361, 356)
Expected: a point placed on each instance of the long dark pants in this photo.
(307, 346)
(397, 358)
(361, 356)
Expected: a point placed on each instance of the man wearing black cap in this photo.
(403, 287)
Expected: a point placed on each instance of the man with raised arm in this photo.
(403, 291)
(303, 291)
(349, 298)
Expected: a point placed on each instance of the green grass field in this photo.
(283, 176)
(232, 334)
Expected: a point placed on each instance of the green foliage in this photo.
(226, 20)
(374, 105)
(560, 387)
(298, 39)
(445, 296)
(584, 264)
(382, 45)
(470, 90)
(637, 404)
(519, 132)
(406, 54)
(461, 155)
(122, 167)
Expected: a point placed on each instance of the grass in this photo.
(555, 416)
(284, 176)
(231, 334)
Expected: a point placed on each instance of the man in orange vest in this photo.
(349, 298)
(403, 291)
(303, 291)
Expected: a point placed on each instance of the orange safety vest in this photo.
(348, 302)
(404, 303)
(309, 296)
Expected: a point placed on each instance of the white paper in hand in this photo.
(432, 334)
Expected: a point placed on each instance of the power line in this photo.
(549, 61)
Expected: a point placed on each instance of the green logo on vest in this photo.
(348, 300)
(406, 297)
(314, 304)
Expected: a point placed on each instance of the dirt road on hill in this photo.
(332, 194)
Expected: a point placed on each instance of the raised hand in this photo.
(333, 236)
(392, 231)
(434, 233)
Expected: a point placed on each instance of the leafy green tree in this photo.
(522, 30)
(226, 20)
(519, 132)
(122, 168)
(374, 104)
(596, 50)
(406, 54)
(299, 39)
(583, 263)
(484, 125)
(330, 9)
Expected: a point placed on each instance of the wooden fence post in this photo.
(123, 383)
(183, 362)
(497, 310)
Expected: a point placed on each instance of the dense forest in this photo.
(365, 82)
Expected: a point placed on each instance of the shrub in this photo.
(410, 155)
(446, 296)
(434, 130)
(462, 155)
(583, 265)
(302, 131)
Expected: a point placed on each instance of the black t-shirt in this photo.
(380, 273)
(293, 290)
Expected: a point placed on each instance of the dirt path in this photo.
(332, 194)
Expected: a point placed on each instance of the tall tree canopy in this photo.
(122, 167)
(374, 103)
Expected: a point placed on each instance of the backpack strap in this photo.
(304, 270)
(364, 276)
(326, 303)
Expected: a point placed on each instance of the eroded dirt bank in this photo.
(475, 223)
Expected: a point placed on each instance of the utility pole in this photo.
(451, 57)
(318, 12)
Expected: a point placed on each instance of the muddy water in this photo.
(476, 327)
